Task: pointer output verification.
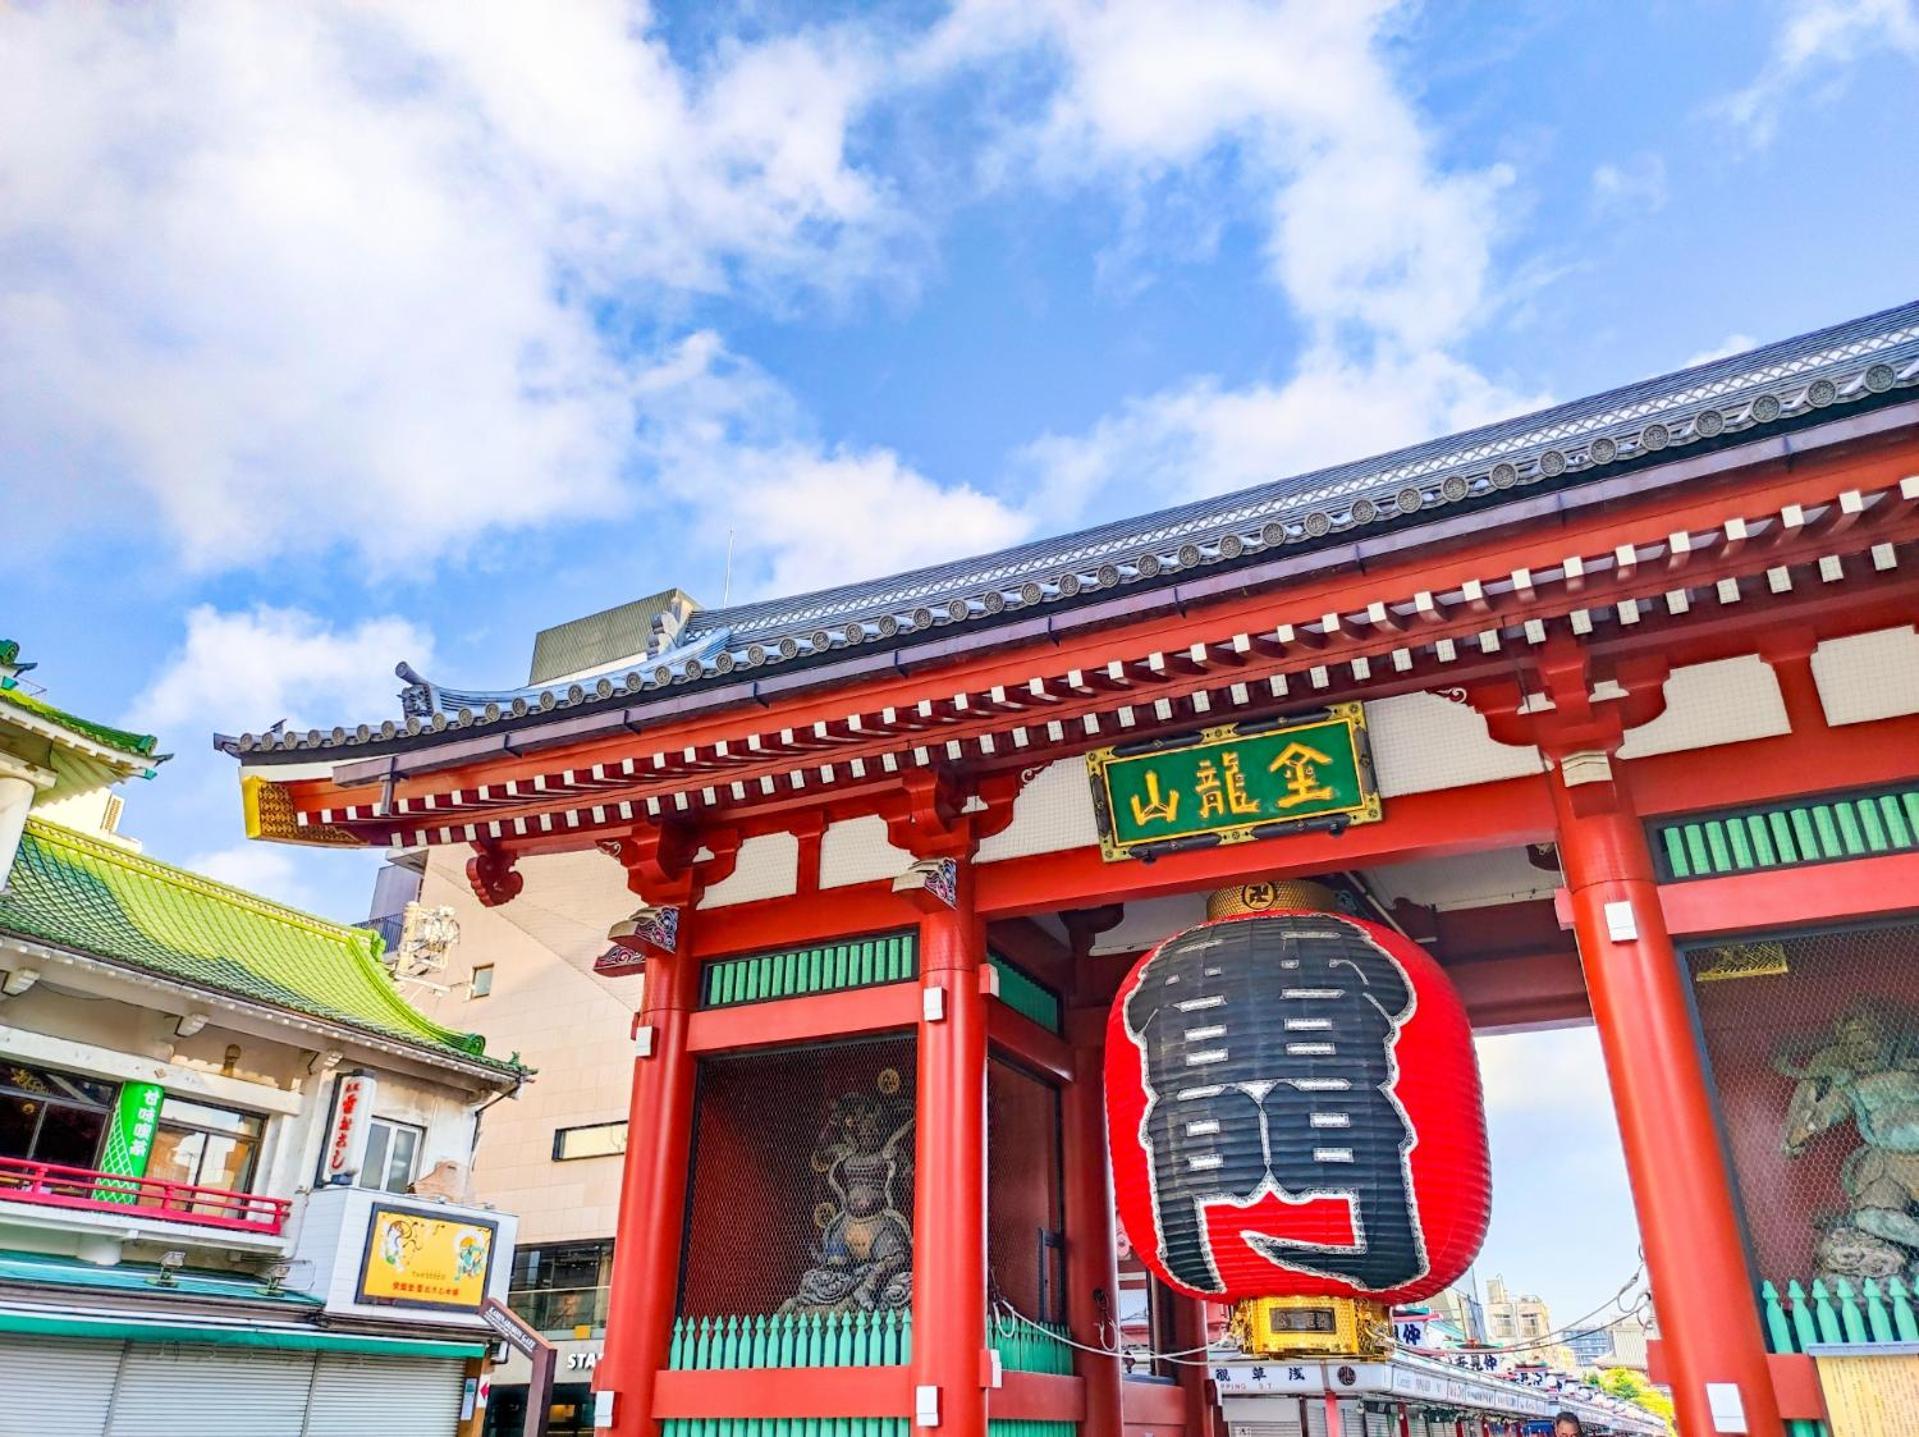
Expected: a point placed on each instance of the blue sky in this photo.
(333, 335)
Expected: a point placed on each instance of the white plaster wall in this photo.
(1728, 701)
(858, 851)
(1053, 812)
(767, 867)
(1869, 676)
(1423, 742)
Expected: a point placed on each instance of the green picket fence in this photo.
(1040, 1347)
(826, 968)
(1786, 834)
(815, 1339)
(1025, 995)
(785, 1427)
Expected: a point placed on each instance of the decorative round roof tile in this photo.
(1364, 511)
(723, 662)
(519, 708)
(889, 626)
(246, 743)
(413, 725)
(361, 733)
(1821, 392)
(1655, 436)
(634, 682)
(1602, 450)
(789, 647)
(492, 712)
(438, 723)
(1189, 556)
(313, 735)
(1504, 475)
(663, 675)
(1709, 423)
(1318, 524)
(820, 640)
(463, 719)
(922, 618)
(389, 729)
(1409, 499)
(1552, 464)
(993, 600)
(1454, 488)
(603, 689)
(854, 633)
(1148, 566)
(755, 655)
(548, 699)
(1765, 409)
(1272, 535)
(957, 609)
(1031, 593)
(1069, 586)
(692, 668)
(1106, 576)
(1879, 378)
(338, 735)
(1231, 547)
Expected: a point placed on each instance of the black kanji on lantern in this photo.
(1269, 1068)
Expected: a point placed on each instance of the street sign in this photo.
(1234, 783)
(531, 1343)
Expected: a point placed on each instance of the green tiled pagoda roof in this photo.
(139, 744)
(75, 892)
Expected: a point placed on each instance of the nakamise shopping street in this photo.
(1146, 886)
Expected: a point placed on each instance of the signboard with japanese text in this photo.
(129, 1145)
(1870, 1396)
(344, 1149)
(417, 1259)
(1234, 783)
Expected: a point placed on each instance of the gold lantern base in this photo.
(1312, 1327)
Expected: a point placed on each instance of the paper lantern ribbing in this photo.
(1293, 1108)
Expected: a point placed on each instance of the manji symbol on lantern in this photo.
(1294, 1110)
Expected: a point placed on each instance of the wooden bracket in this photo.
(491, 874)
(661, 860)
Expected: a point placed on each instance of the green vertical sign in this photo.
(129, 1145)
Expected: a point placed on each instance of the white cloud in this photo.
(1363, 226)
(1818, 39)
(1636, 186)
(725, 444)
(1731, 344)
(1559, 1074)
(242, 670)
(292, 276)
(1202, 438)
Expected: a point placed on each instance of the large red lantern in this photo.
(1293, 1108)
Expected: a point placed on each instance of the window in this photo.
(482, 981)
(596, 1140)
(206, 1146)
(53, 1117)
(392, 1155)
(562, 1288)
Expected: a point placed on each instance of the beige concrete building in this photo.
(1524, 1321)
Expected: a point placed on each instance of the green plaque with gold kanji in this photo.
(1234, 783)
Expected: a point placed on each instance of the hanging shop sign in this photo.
(415, 1259)
(129, 1145)
(1294, 1108)
(1234, 783)
(347, 1127)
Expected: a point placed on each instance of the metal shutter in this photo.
(56, 1386)
(391, 1396)
(176, 1390)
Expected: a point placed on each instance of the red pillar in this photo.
(646, 1253)
(1092, 1251)
(949, 1228)
(1190, 1334)
(1681, 1186)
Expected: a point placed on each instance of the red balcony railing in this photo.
(84, 1188)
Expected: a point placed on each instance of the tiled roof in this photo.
(139, 745)
(1792, 384)
(70, 891)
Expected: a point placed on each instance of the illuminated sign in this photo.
(420, 1259)
(1234, 783)
(345, 1148)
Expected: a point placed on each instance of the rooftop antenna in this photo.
(726, 585)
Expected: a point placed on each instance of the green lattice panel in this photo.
(1024, 995)
(826, 968)
(1787, 835)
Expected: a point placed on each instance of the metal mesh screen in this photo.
(1814, 1045)
(801, 1195)
(1023, 1201)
